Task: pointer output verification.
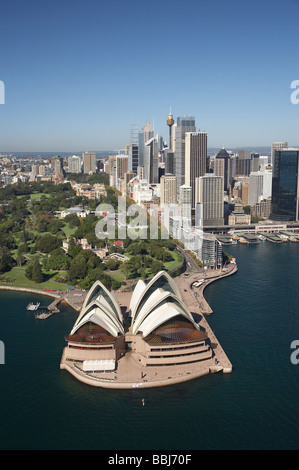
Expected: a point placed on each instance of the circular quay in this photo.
(154, 336)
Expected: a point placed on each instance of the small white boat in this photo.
(33, 306)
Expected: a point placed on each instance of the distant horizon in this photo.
(113, 151)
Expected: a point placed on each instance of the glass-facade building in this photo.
(285, 187)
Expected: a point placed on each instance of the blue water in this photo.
(256, 317)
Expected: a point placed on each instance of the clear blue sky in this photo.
(78, 73)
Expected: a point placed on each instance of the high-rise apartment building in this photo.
(168, 190)
(74, 164)
(195, 159)
(89, 162)
(285, 185)
(209, 199)
(57, 165)
(184, 124)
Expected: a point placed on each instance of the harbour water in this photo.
(256, 318)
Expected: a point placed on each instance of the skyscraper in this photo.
(168, 189)
(133, 157)
(222, 167)
(57, 165)
(285, 185)
(89, 162)
(184, 124)
(74, 164)
(260, 186)
(151, 170)
(195, 159)
(277, 146)
(209, 198)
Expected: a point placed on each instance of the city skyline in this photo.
(81, 77)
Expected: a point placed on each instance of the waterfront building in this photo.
(209, 199)
(285, 185)
(89, 162)
(211, 252)
(238, 217)
(195, 159)
(261, 209)
(157, 331)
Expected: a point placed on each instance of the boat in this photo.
(31, 306)
(43, 315)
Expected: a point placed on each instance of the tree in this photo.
(34, 272)
(48, 243)
(6, 260)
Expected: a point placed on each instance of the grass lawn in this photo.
(68, 231)
(17, 274)
(37, 196)
(117, 275)
(169, 265)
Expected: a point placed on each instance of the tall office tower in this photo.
(245, 192)
(184, 124)
(145, 134)
(170, 123)
(168, 191)
(260, 187)
(209, 198)
(133, 157)
(222, 167)
(151, 170)
(112, 163)
(285, 185)
(195, 159)
(74, 164)
(277, 146)
(243, 161)
(89, 162)
(185, 197)
(255, 162)
(121, 166)
(57, 165)
(169, 162)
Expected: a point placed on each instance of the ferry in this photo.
(31, 306)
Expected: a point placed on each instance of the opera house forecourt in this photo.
(147, 338)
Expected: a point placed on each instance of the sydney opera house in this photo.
(152, 341)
